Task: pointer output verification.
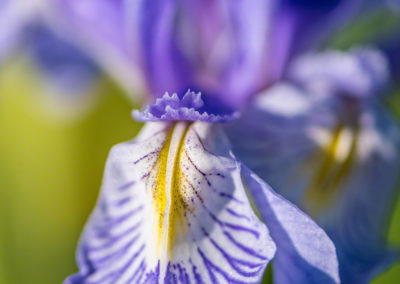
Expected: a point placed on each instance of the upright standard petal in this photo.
(228, 49)
(215, 46)
(334, 152)
(173, 209)
(299, 26)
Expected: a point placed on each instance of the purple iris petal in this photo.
(361, 72)
(229, 50)
(172, 108)
(96, 19)
(25, 28)
(297, 26)
(101, 28)
(12, 20)
(210, 45)
(334, 155)
(59, 59)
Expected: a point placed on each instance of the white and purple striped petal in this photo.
(173, 210)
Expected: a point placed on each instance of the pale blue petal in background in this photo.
(348, 183)
(101, 29)
(58, 59)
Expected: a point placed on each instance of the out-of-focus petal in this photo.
(359, 72)
(227, 49)
(276, 141)
(100, 28)
(66, 66)
(14, 15)
(367, 193)
(24, 29)
(173, 209)
(336, 156)
(299, 26)
(7, 37)
(214, 46)
(317, 20)
(305, 254)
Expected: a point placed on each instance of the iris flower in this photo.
(176, 205)
(333, 151)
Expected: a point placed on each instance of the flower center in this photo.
(334, 161)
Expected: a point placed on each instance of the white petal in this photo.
(173, 208)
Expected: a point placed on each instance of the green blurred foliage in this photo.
(50, 172)
(371, 28)
(393, 274)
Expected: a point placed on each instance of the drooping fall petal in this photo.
(173, 208)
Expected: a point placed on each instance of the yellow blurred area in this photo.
(50, 171)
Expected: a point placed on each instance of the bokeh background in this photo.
(53, 150)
